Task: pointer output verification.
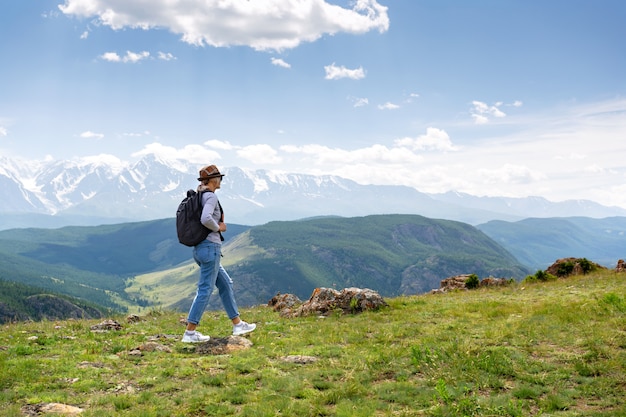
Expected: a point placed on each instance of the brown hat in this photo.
(209, 171)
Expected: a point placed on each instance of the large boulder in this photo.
(572, 266)
(459, 283)
(327, 300)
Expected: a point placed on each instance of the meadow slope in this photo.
(552, 349)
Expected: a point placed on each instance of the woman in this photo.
(207, 255)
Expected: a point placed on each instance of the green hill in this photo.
(537, 243)
(551, 349)
(391, 254)
(20, 302)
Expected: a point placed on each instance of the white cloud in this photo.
(481, 112)
(479, 119)
(388, 106)
(130, 56)
(259, 154)
(434, 139)
(84, 35)
(510, 173)
(412, 97)
(166, 56)
(135, 57)
(136, 134)
(334, 72)
(572, 156)
(50, 14)
(3, 131)
(218, 144)
(91, 135)
(360, 101)
(111, 57)
(280, 63)
(595, 169)
(262, 25)
(334, 158)
(193, 153)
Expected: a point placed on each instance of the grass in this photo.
(546, 349)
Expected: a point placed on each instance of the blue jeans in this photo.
(212, 274)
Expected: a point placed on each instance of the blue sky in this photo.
(503, 98)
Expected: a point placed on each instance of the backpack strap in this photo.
(221, 218)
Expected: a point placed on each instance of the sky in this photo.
(507, 98)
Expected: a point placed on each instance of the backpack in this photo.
(188, 227)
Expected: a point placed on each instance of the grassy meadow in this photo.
(553, 348)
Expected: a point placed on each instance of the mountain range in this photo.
(105, 190)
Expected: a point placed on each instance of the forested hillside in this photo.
(20, 302)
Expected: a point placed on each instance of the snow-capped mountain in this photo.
(103, 189)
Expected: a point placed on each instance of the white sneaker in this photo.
(243, 328)
(196, 337)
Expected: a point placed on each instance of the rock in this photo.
(299, 359)
(162, 336)
(456, 282)
(327, 300)
(51, 408)
(134, 318)
(282, 302)
(222, 345)
(572, 266)
(106, 326)
(494, 282)
(154, 347)
(86, 364)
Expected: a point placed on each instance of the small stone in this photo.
(300, 359)
(63, 409)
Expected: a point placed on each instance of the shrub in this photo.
(564, 269)
(586, 265)
(472, 282)
(540, 276)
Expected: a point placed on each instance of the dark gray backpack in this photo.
(188, 227)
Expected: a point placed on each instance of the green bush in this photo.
(540, 276)
(565, 269)
(472, 282)
(586, 265)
